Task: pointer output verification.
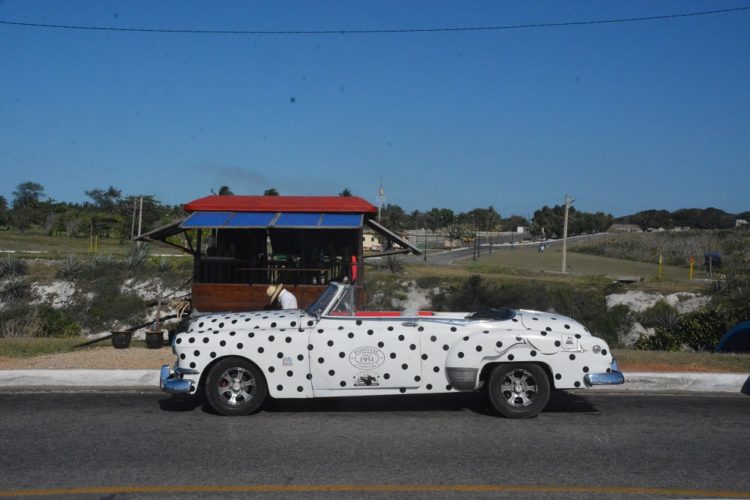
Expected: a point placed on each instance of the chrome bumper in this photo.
(173, 383)
(612, 377)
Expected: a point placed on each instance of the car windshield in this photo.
(322, 302)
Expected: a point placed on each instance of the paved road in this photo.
(584, 445)
(449, 257)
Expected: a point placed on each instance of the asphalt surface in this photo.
(585, 445)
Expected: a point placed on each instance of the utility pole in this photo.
(140, 217)
(568, 201)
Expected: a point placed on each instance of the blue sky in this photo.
(624, 117)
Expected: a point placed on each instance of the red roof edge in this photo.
(236, 203)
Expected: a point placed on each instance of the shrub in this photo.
(660, 315)
(136, 258)
(15, 289)
(394, 264)
(38, 321)
(698, 330)
(11, 267)
(70, 267)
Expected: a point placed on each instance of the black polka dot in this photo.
(342, 383)
(604, 352)
(429, 387)
(386, 376)
(533, 353)
(499, 344)
(436, 369)
(544, 334)
(300, 357)
(341, 328)
(260, 350)
(572, 357)
(213, 354)
(271, 338)
(196, 353)
(557, 343)
(567, 327)
(232, 334)
(240, 345)
(401, 337)
(404, 366)
(308, 376)
(390, 328)
(320, 330)
(460, 355)
(280, 355)
(192, 365)
(191, 340)
(341, 354)
(359, 322)
(321, 360)
(577, 384)
(273, 325)
(424, 356)
(466, 338)
(299, 388)
(453, 328)
(511, 357)
(412, 347)
(223, 343)
(370, 332)
(393, 355)
(331, 373)
(479, 348)
(310, 323)
(288, 339)
(445, 347)
(380, 344)
(585, 369)
(350, 335)
(420, 329)
(330, 343)
(205, 340)
(179, 340)
(293, 323)
(558, 376)
(280, 387)
(271, 369)
(433, 338)
(289, 373)
(200, 325)
(448, 387)
(182, 356)
(417, 378)
(309, 347)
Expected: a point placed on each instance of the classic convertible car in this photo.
(239, 359)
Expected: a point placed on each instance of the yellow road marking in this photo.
(378, 488)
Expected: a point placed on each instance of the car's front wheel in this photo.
(235, 386)
(519, 390)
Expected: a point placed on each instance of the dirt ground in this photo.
(101, 357)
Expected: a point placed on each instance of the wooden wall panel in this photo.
(212, 297)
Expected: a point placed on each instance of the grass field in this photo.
(38, 245)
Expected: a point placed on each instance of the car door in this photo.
(349, 353)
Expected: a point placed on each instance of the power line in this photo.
(375, 31)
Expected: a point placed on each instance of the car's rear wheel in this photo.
(519, 390)
(235, 386)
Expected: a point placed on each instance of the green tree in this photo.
(26, 204)
(270, 192)
(345, 192)
(105, 200)
(4, 217)
(225, 191)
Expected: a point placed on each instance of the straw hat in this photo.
(273, 292)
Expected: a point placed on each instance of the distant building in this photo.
(371, 242)
(740, 222)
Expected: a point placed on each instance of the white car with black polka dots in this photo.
(239, 359)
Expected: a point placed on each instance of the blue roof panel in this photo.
(206, 219)
(251, 219)
(341, 220)
(291, 219)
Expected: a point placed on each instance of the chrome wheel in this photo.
(519, 390)
(236, 385)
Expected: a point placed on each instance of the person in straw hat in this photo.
(286, 299)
